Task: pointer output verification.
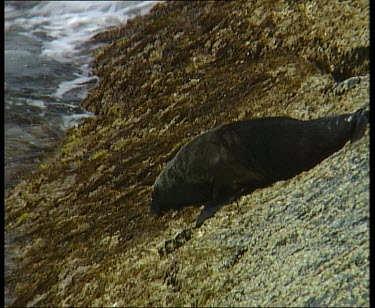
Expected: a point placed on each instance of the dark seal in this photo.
(226, 162)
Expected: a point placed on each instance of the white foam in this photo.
(61, 28)
(67, 86)
(76, 22)
(36, 103)
(75, 119)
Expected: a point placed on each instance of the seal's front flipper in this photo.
(231, 181)
(208, 211)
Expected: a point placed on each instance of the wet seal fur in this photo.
(226, 162)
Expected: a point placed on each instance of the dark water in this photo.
(47, 74)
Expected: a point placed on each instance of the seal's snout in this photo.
(155, 208)
(155, 211)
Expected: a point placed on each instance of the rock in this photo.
(88, 239)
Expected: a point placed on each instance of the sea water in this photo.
(47, 74)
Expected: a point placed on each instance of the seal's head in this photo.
(162, 201)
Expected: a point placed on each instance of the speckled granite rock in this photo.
(83, 232)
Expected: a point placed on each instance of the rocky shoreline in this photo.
(84, 233)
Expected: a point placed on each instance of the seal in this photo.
(218, 166)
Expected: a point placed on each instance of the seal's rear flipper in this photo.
(360, 120)
(208, 211)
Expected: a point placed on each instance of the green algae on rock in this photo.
(84, 233)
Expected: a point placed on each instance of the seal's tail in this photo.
(360, 120)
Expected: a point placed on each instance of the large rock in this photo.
(83, 232)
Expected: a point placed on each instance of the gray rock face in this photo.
(83, 232)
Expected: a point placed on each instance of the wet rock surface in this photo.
(83, 232)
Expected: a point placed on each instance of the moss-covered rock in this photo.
(84, 235)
